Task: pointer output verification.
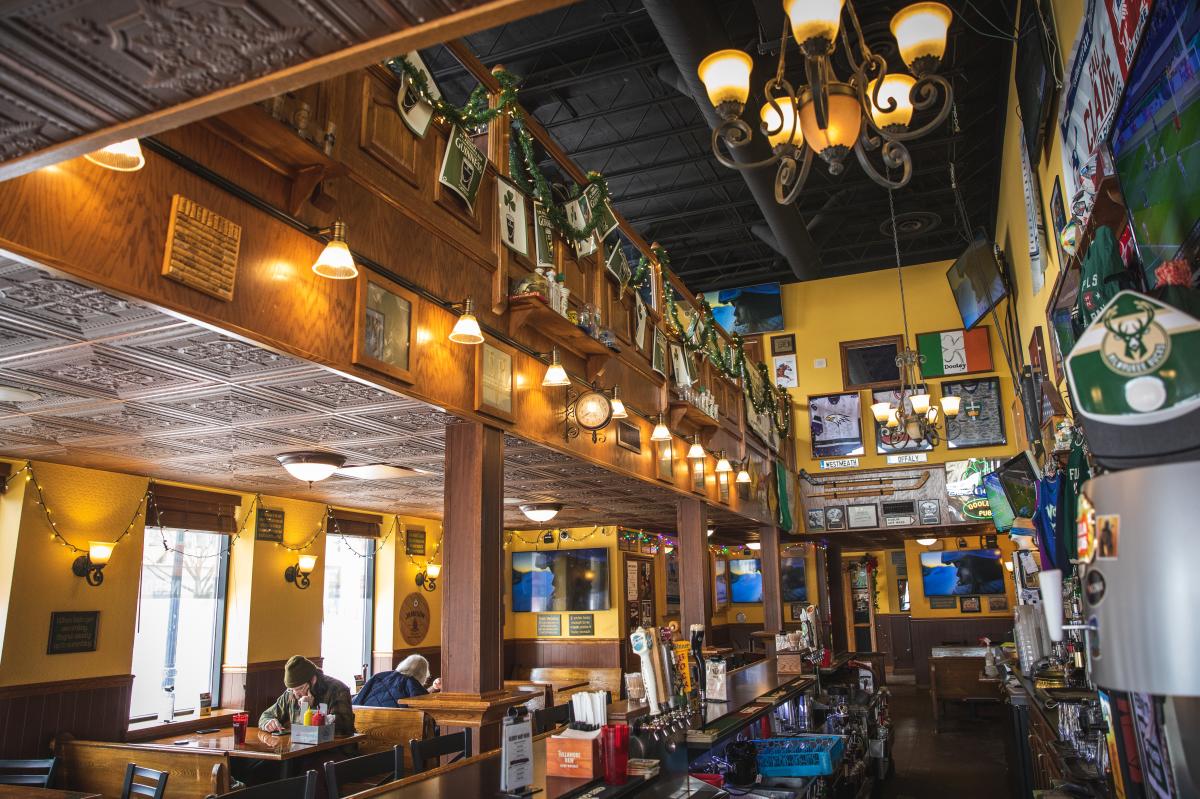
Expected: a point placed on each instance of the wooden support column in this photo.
(837, 597)
(772, 588)
(695, 580)
(472, 553)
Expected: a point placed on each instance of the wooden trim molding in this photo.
(65, 686)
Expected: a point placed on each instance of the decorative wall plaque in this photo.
(414, 618)
(202, 249)
(268, 525)
(73, 631)
(581, 624)
(549, 624)
(414, 541)
(943, 602)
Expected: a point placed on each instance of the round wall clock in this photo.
(593, 410)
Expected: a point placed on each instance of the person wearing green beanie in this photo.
(302, 678)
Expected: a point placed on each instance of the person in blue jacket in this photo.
(390, 688)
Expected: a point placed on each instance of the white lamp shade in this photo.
(926, 542)
(124, 156)
(660, 432)
(920, 31)
(466, 330)
(541, 511)
(306, 564)
(1050, 582)
(311, 466)
(950, 405)
(726, 76)
(786, 127)
(920, 403)
(743, 476)
(882, 411)
(433, 570)
(896, 87)
(814, 18)
(618, 409)
(754, 546)
(893, 421)
(336, 262)
(723, 466)
(696, 452)
(556, 375)
(100, 551)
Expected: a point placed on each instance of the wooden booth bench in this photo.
(956, 673)
(99, 767)
(385, 727)
(572, 680)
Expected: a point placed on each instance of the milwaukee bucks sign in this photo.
(1139, 358)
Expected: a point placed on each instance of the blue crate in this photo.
(801, 756)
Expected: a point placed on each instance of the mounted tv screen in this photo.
(745, 580)
(1154, 137)
(748, 311)
(1002, 513)
(1019, 478)
(565, 579)
(1034, 75)
(962, 572)
(720, 583)
(976, 282)
(792, 580)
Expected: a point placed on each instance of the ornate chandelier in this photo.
(829, 117)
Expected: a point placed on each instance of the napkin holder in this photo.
(312, 733)
(574, 754)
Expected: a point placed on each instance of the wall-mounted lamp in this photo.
(427, 579)
(661, 433)
(696, 451)
(1008, 565)
(466, 329)
(124, 156)
(297, 574)
(743, 475)
(723, 465)
(618, 407)
(90, 566)
(335, 261)
(556, 375)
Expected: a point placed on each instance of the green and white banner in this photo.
(463, 167)
(543, 236)
(607, 220)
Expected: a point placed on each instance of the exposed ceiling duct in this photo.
(691, 29)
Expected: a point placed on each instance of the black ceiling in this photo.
(599, 77)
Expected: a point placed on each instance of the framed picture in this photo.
(665, 455)
(697, 470)
(835, 424)
(785, 371)
(463, 167)
(783, 345)
(616, 263)
(601, 209)
(980, 420)
(861, 516)
(902, 594)
(543, 236)
(929, 511)
(835, 517)
(415, 112)
(997, 603)
(680, 368)
(494, 380)
(797, 611)
(969, 604)
(629, 436)
(658, 361)
(723, 488)
(870, 362)
(383, 323)
(816, 520)
(1058, 216)
(946, 353)
(903, 442)
(514, 230)
(579, 214)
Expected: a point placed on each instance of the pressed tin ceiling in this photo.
(125, 387)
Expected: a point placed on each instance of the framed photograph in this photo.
(816, 520)
(929, 511)
(835, 517)
(514, 230)
(785, 371)
(680, 368)
(723, 488)
(946, 353)
(665, 455)
(616, 263)
(783, 345)
(658, 361)
(870, 362)
(861, 516)
(579, 214)
(640, 315)
(494, 380)
(697, 470)
(969, 604)
(629, 436)
(414, 111)
(797, 611)
(902, 594)
(543, 237)
(941, 603)
(980, 420)
(835, 425)
(463, 167)
(384, 325)
(903, 442)
(1058, 216)
(997, 603)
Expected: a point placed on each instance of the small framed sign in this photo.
(969, 604)
(579, 624)
(629, 436)
(783, 345)
(942, 603)
(494, 380)
(414, 541)
(268, 525)
(861, 516)
(549, 624)
(73, 631)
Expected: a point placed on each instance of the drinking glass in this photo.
(240, 722)
(614, 744)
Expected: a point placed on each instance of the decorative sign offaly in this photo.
(202, 249)
(549, 624)
(581, 624)
(414, 618)
(414, 541)
(73, 631)
(268, 525)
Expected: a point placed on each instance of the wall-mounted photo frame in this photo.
(494, 380)
(969, 604)
(697, 469)
(905, 601)
(1058, 217)
(783, 345)
(723, 487)
(664, 455)
(543, 236)
(796, 610)
(816, 520)
(980, 420)
(835, 424)
(514, 227)
(860, 516)
(658, 360)
(786, 371)
(835, 517)
(681, 368)
(948, 353)
(997, 603)
(629, 436)
(383, 326)
(870, 362)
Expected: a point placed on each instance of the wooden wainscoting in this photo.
(382, 661)
(566, 652)
(254, 687)
(928, 633)
(31, 715)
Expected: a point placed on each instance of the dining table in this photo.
(259, 745)
(29, 792)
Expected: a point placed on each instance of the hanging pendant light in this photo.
(466, 329)
(335, 261)
(556, 375)
(123, 156)
(920, 31)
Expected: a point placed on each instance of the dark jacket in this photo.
(386, 688)
(331, 691)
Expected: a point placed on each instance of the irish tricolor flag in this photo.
(955, 352)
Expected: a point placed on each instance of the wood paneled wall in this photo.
(928, 633)
(564, 652)
(253, 687)
(31, 715)
(382, 661)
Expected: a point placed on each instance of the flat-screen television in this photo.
(961, 572)
(564, 579)
(720, 583)
(745, 580)
(1154, 136)
(748, 311)
(976, 282)
(1019, 478)
(792, 580)
(1034, 75)
(1002, 513)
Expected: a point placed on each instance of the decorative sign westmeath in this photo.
(414, 618)
(581, 624)
(268, 525)
(73, 631)
(839, 463)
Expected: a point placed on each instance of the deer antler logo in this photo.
(1131, 331)
(1134, 344)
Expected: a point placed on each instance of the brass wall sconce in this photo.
(90, 565)
(427, 578)
(298, 573)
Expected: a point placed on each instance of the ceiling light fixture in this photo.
(660, 432)
(466, 329)
(124, 156)
(14, 394)
(754, 546)
(710, 532)
(618, 407)
(829, 117)
(335, 261)
(696, 451)
(311, 467)
(541, 511)
(556, 375)
(723, 466)
(926, 542)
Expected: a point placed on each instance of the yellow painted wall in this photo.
(920, 603)
(885, 578)
(823, 313)
(11, 503)
(395, 578)
(607, 623)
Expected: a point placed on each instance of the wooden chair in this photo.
(455, 743)
(38, 773)
(134, 772)
(550, 718)
(292, 788)
(365, 771)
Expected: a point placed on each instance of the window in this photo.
(349, 599)
(181, 619)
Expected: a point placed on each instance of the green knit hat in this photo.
(298, 671)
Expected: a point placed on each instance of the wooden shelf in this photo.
(534, 312)
(687, 416)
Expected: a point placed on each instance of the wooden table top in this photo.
(259, 745)
(28, 792)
